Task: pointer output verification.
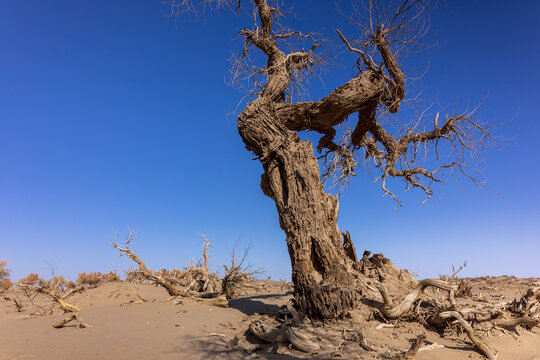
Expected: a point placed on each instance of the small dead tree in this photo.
(156, 278)
(52, 291)
(237, 274)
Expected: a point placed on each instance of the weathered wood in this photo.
(349, 247)
(42, 288)
(291, 334)
(80, 322)
(300, 340)
(530, 322)
(394, 312)
(263, 332)
(478, 344)
(143, 270)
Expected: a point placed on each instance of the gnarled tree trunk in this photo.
(321, 271)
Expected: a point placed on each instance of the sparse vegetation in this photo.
(5, 281)
(95, 278)
(238, 275)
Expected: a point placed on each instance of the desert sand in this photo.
(141, 321)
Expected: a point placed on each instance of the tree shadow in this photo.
(251, 305)
(216, 348)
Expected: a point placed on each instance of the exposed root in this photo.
(394, 312)
(444, 316)
(285, 334)
(80, 322)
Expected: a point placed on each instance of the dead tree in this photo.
(47, 288)
(193, 281)
(323, 271)
(237, 275)
(143, 270)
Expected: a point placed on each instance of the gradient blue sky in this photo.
(113, 115)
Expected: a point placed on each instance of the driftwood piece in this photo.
(300, 340)
(80, 322)
(394, 312)
(283, 335)
(263, 332)
(444, 316)
(530, 322)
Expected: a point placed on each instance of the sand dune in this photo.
(125, 327)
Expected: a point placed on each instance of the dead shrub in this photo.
(5, 284)
(238, 275)
(31, 280)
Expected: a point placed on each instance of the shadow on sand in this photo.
(253, 305)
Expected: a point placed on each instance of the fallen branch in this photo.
(143, 270)
(73, 291)
(394, 312)
(530, 322)
(444, 316)
(42, 288)
(80, 322)
(300, 340)
(283, 335)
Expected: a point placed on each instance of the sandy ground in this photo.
(161, 329)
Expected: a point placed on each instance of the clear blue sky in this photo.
(113, 115)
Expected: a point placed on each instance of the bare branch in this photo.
(143, 270)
